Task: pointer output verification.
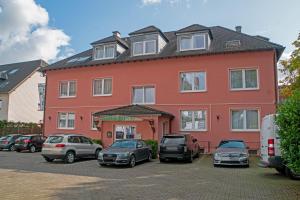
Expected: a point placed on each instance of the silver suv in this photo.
(69, 147)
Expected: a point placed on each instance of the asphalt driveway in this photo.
(149, 180)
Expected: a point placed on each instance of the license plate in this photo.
(172, 148)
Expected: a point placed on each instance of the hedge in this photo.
(154, 146)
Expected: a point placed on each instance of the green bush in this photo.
(154, 146)
(288, 121)
(97, 141)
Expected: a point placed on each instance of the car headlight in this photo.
(217, 155)
(123, 155)
(243, 155)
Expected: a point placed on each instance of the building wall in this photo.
(23, 101)
(4, 109)
(164, 75)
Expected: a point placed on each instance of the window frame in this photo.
(245, 120)
(144, 48)
(244, 79)
(67, 119)
(192, 41)
(102, 87)
(193, 120)
(193, 84)
(143, 87)
(104, 51)
(68, 89)
(92, 122)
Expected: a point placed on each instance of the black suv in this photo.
(178, 146)
(8, 142)
(32, 143)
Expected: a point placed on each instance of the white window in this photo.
(193, 81)
(67, 89)
(144, 47)
(66, 120)
(104, 52)
(93, 122)
(242, 120)
(243, 79)
(143, 95)
(192, 42)
(193, 120)
(102, 87)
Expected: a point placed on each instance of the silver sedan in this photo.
(231, 152)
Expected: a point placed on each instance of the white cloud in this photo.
(150, 2)
(25, 34)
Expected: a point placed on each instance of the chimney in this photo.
(238, 29)
(116, 33)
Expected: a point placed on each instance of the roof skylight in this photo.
(78, 59)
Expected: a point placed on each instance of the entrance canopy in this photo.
(130, 113)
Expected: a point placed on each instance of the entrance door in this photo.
(124, 132)
(165, 128)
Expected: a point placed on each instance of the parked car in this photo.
(8, 142)
(231, 152)
(178, 146)
(32, 143)
(69, 147)
(270, 152)
(125, 152)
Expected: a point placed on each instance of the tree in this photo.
(288, 121)
(291, 70)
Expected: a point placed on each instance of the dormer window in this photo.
(144, 47)
(192, 42)
(104, 52)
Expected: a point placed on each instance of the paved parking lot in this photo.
(29, 176)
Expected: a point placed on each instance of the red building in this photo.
(213, 82)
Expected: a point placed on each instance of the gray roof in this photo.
(111, 39)
(192, 28)
(133, 110)
(17, 73)
(148, 29)
(221, 36)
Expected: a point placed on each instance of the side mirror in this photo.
(247, 147)
(138, 146)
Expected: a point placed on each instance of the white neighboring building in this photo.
(22, 88)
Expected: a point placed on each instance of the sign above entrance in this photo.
(119, 118)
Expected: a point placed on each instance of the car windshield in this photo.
(55, 139)
(124, 144)
(232, 144)
(173, 140)
(24, 138)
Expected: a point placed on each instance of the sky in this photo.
(55, 29)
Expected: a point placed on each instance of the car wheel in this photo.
(70, 157)
(149, 156)
(32, 149)
(162, 160)
(216, 165)
(18, 150)
(102, 165)
(12, 148)
(190, 159)
(48, 159)
(97, 153)
(132, 161)
(281, 170)
(290, 173)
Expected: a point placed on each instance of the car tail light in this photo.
(271, 150)
(60, 145)
(27, 141)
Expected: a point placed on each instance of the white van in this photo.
(270, 147)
